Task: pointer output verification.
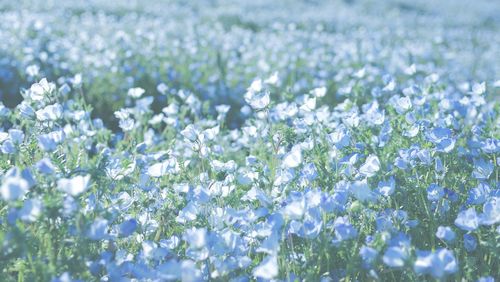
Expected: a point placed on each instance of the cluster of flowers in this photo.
(401, 183)
(216, 50)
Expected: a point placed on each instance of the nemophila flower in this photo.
(386, 188)
(31, 210)
(340, 138)
(435, 192)
(319, 92)
(385, 134)
(98, 230)
(467, 220)
(478, 88)
(395, 256)
(439, 167)
(45, 166)
(50, 113)
(438, 264)
(491, 211)
(257, 98)
(482, 169)
(442, 138)
(48, 142)
(127, 227)
(470, 242)
(15, 184)
(267, 269)
(401, 104)
(74, 186)
(16, 136)
(273, 79)
(195, 237)
(160, 169)
(343, 230)
(445, 233)
(135, 92)
(8, 147)
(479, 194)
(490, 146)
(309, 172)
(38, 90)
(370, 167)
(361, 191)
(368, 255)
(293, 158)
(188, 213)
(190, 133)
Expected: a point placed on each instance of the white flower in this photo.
(319, 92)
(370, 167)
(268, 269)
(256, 86)
(74, 186)
(190, 133)
(135, 92)
(293, 158)
(258, 101)
(479, 88)
(38, 90)
(361, 191)
(51, 112)
(273, 79)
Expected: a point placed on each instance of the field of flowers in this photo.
(222, 140)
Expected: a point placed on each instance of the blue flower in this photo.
(395, 256)
(490, 146)
(127, 227)
(368, 255)
(467, 220)
(435, 192)
(437, 264)
(45, 166)
(491, 211)
(386, 188)
(470, 242)
(479, 194)
(445, 233)
(98, 229)
(442, 138)
(482, 169)
(343, 229)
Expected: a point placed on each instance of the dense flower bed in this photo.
(264, 150)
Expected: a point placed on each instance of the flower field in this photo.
(250, 140)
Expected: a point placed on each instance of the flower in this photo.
(267, 269)
(38, 90)
(127, 227)
(438, 264)
(470, 242)
(370, 167)
(98, 229)
(435, 192)
(395, 257)
(14, 187)
(293, 158)
(74, 186)
(135, 92)
(467, 220)
(31, 210)
(482, 169)
(445, 233)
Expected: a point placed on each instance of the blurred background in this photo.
(215, 49)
